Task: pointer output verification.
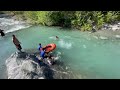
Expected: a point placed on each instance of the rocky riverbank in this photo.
(28, 66)
(108, 31)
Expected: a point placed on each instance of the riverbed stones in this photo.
(113, 27)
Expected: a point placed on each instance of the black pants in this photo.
(19, 47)
(2, 34)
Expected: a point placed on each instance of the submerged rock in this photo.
(101, 37)
(117, 36)
(95, 37)
(28, 66)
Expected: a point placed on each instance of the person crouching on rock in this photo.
(2, 33)
(40, 47)
(16, 42)
(42, 54)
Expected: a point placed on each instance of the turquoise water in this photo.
(85, 55)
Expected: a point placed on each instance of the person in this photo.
(16, 42)
(40, 47)
(2, 33)
(57, 37)
(42, 54)
(51, 59)
(42, 51)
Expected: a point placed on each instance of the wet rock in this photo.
(19, 68)
(113, 27)
(28, 66)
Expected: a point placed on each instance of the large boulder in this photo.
(19, 66)
(28, 66)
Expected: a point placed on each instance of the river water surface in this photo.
(85, 55)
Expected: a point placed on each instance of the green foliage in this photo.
(86, 27)
(42, 17)
(31, 15)
(57, 17)
(82, 20)
(62, 18)
(98, 18)
(38, 17)
(111, 16)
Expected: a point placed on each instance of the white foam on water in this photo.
(16, 28)
(64, 44)
(53, 38)
(67, 36)
(59, 53)
(84, 46)
(11, 25)
(117, 36)
(6, 21)
(58, 56)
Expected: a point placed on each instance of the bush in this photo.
(82, 20)
(111, 17)
(42, 17)
(86, 27)
(98, 18)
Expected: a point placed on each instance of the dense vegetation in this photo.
(82, 20)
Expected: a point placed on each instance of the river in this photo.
(84, 54)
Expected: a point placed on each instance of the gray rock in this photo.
(25, 69)
(106, 27)
(28, 66)
(115, 27)
(119, 23)
(112, 27)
